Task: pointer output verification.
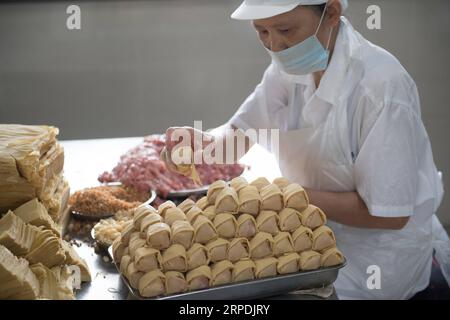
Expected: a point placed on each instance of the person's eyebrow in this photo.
(280, 25)
(257, 26)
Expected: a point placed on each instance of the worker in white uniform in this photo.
(350, 132)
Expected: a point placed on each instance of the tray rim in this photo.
(188, 192)
(192, 294)
(185, 193)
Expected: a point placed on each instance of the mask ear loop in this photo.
(329, 38)
(320, 23)
(321, 18)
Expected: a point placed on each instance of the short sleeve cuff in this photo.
(239, 123)
(390, 211)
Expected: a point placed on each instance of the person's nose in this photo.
(276, 44)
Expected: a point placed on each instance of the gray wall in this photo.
(137, 67)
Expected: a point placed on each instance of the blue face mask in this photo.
(305, 57)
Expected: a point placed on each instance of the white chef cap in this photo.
(260, 9)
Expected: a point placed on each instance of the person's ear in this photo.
(334, 12)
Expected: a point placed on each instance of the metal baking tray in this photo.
(198, 192)
(187, 193)
(253, 289)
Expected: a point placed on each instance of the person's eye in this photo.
(263, 33)
(285, 31)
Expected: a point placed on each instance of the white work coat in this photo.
(360, 130)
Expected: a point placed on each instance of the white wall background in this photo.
(137, 67)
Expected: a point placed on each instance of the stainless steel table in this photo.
(85, 160)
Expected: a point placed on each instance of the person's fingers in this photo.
(170, 142)
(167, 160)
(178, 135)
(181, 137)
(197, 139)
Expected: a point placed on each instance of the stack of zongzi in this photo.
(31, 166)
(34, 260)
(240, 232)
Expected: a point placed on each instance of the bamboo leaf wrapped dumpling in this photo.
(186, 167)
(226, 225)
(174, 258)
(124, 262)
(175, 282)
(238, 183)
(244, 270)
(331, 257)
(147, 259)
(158, 236)
(134, 245)
(217, 249)
(309, 260)
(202, 203)
(266, 267)
(289, 219)
(164, 206)
(221, 273)
(182, 233)
(288, 263)
(246, 226)
(214, 189)
(140, 213)
(197, 256)
(174, 214)
(282, 244)
(295, 197)
(126, 233)
(249, 200)
(312, 217)
(193, 213)
(260, 183)
(238, 249)
(186, 205)
(271, 198)
(210, 212)
(152, 218)
(135, 235)
(261, 245)
(267, 221)
(323, 238)
(281, 182)
(227, 201)
(133, 275)
(199, 278)
(204, 230)
(118, 249)
(152, 284)
(302, 239)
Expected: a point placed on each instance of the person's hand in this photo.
(183, 137)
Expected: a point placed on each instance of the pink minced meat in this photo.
(143, 169)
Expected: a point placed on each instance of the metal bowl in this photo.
(97, 217)
(100, 243)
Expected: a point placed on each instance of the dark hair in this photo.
(319, 7)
